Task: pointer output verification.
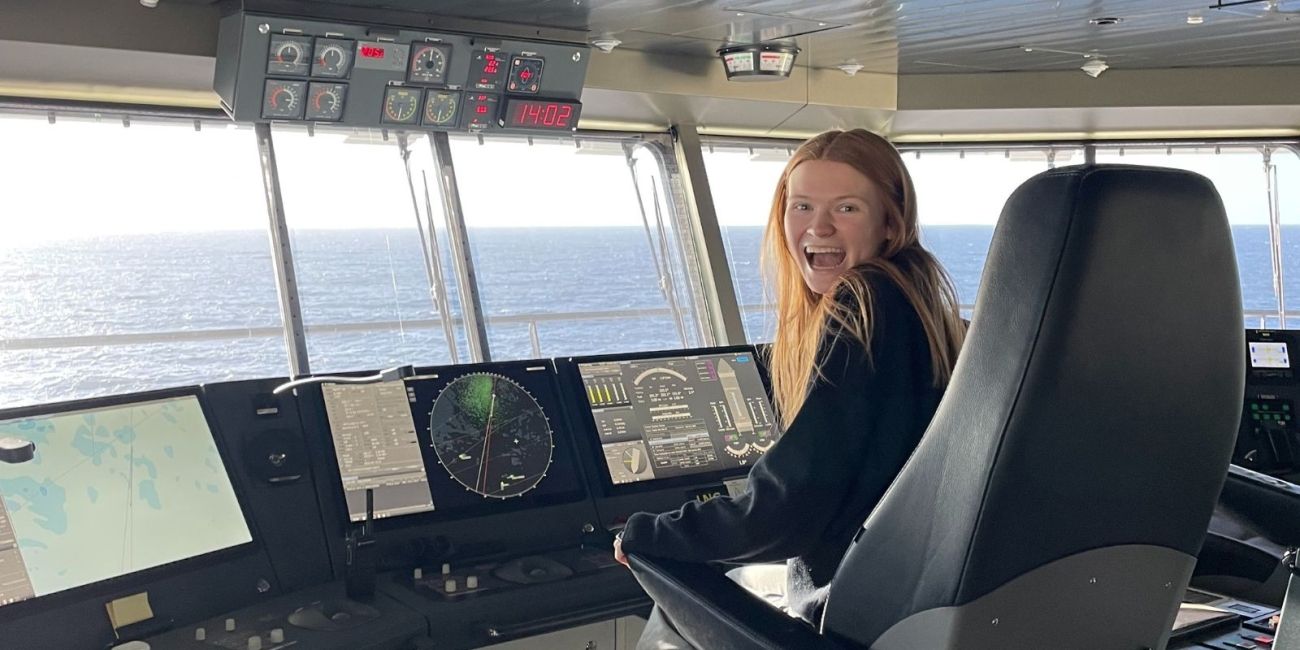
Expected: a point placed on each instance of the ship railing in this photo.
(1253, 318)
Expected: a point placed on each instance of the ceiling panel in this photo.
(920, 36)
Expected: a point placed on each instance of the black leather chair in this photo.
(1064, 487)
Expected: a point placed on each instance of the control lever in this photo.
(361, 556)
(1288, 629)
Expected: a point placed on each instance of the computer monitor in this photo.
(453, 442)
(1268, 356)
(102, 489)
(375, 447)
(674, 419)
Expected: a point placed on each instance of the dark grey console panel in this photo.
(278, 69)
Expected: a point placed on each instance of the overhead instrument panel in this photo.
(666, 417)
(278, 69)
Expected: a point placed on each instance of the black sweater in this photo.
(810, 494)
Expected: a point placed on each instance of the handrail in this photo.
(1260, 316)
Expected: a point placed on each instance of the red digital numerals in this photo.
(543, 114)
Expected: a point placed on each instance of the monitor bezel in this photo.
(585, 423)
(139, 580)
(561, 430)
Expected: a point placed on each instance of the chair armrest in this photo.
(712, 612)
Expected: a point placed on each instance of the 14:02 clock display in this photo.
(542, 114)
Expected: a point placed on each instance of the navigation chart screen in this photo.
(678, 416)
(90, 495)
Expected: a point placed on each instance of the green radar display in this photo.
(491, 435)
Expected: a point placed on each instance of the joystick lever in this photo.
(1288, 629)
(361, 560)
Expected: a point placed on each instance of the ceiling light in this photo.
(1094, 67)
(1195, 18)
(606, 44)
(850, 68)
(149, 3)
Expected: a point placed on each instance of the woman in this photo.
(868, 332)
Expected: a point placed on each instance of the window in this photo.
(960, 195)
(1238, 173)
(743, 178)
(572, 255)
(374, 291)
(135, 257)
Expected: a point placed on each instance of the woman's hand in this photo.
(618, 550)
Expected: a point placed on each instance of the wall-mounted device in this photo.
(1269, 440)
(278, 69)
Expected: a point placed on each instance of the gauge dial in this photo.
(441, 108)
(283, 99)
(289, 55)
(332, 58)
(325, 101)
(401, 105)
(428, 63)
(491, 435)
(525, 75)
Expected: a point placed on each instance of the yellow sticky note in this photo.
(131, 609)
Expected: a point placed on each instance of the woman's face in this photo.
(834, 221)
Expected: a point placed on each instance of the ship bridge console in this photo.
(449, 507)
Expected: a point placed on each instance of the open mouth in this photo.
(823, 257)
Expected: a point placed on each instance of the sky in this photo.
(80, 177)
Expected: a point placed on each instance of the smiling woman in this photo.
(834, 221)
(868, 334)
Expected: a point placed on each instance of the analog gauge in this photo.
(289, 55)
(333, 58)
(325, 101)
(634, 460)
(525, 75)
(491, 435)
(283, 99)
(441, 108)
(401, 105)
(428, 63)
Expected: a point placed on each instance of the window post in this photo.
(724, 311)
(286, 281)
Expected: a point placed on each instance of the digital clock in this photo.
(544, 114)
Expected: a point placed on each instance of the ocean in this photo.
(182, 308)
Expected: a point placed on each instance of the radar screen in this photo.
(95, 490)
(493, 433)
(667, 417)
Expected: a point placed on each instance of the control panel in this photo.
(1269, 440)
(277, 69)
